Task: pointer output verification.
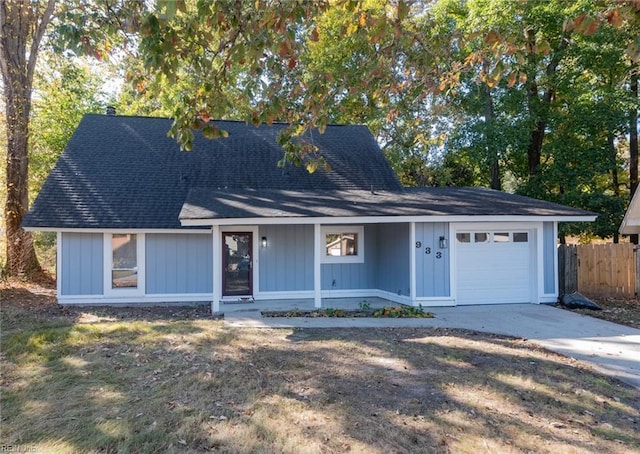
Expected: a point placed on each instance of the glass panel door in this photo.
(237, 263)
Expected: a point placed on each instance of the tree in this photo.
(66, 90)
(94, 28)
(22, 27)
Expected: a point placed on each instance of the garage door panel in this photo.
(491, 296)
(494, 272)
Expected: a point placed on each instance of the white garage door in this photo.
(493, 267)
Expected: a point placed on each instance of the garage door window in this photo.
(481, 237)
(463, 237)
(492, 237)
(501, 237)
(520, 237)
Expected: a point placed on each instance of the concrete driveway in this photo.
(610, 348)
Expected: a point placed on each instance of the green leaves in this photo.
(210, 131)
(452, 90)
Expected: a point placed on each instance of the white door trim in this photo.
(254, 230)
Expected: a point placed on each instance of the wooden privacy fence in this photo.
(598, 269)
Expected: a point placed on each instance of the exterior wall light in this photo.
(263, 241)
(443, 242)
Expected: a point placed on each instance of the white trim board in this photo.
(382, 220)
(97, 300)
(99, 230)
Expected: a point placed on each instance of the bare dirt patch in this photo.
(622, 311)
(169, 383)
(39, 300)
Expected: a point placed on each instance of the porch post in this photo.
(59, 264)
(317, 250)
(412, 265)
(217, 272)
(556, 272)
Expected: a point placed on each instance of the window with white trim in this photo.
(342, 244)
(124, 263)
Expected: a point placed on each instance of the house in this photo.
(631, 221)
(139, 221)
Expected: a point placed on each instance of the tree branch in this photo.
(38, 33)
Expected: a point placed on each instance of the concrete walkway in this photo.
(610, 348)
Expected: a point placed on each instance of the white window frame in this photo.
(108, 262)
(341, 229)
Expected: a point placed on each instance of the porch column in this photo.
(412, 265)
(59, 264)
(556, 283)
(317, 250)
(217, 272)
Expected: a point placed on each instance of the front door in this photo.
(237, 264)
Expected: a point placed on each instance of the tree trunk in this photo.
(633, 144)
(539, 106)
(539, 109)
(21, 256)
(22, 25)
(615, 183)
(492, 151)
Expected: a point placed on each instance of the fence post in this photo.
(567, 269)
(637, 257)
(562, 250)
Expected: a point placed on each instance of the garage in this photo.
(494, 266)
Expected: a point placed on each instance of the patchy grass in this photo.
(89, 381)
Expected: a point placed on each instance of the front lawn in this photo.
(154, 381)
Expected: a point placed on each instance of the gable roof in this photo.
(121, 172)
(124, 172)
(207, 204)
(631, 222)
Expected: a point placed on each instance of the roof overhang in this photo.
(379, 220)
(206, 207)
(631, 222)
(206, 228)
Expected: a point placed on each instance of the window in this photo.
(492, 237)
(343, 244)
(481, 237)
(463, 237)
(124, 264)
(501, 237)
(520, 237)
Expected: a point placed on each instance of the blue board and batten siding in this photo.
(81, 270)
(353, 276)
(432, 262)
(548, 257)
(286, 264)
(174, 263)
(182, 264)
(393, 261)
(178, 263)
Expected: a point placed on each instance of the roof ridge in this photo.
(149, 117)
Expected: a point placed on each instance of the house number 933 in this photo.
(427, 250)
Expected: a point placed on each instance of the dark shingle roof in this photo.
(203, 203)
(124, 172)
